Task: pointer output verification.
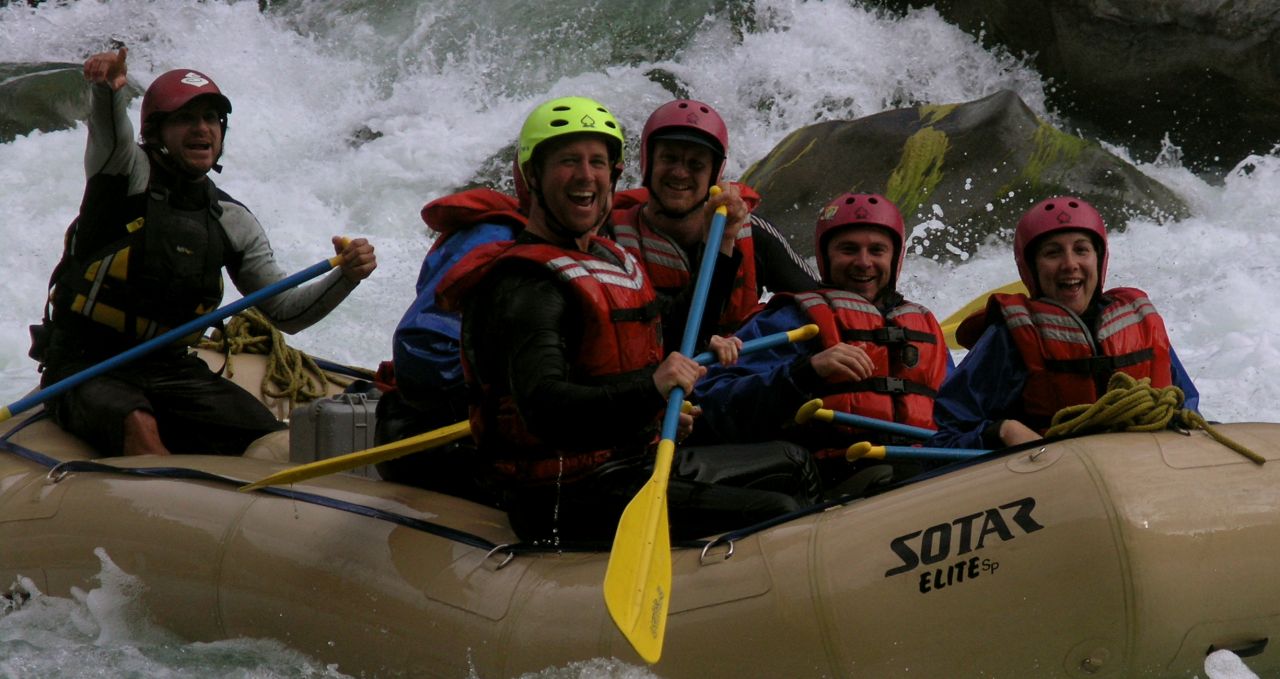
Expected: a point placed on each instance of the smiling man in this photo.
(146, 254)
(877, 355)
(683, 150)
(563, 357)
(1032, 355)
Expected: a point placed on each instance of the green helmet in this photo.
(569, 115)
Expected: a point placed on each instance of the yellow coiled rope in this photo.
(1134, 405)
(290, 373)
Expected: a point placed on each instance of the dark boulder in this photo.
(964, 172)
(1205, 72)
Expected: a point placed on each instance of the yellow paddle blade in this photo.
(389, 451)
(953, 321)
(637, 583)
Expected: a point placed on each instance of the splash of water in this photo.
(107, 629)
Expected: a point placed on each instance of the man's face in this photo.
(193, 136)
(577, 182)
(860, 260)
(680, 175)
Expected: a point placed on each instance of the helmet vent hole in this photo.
(1073, 204)
(559, 122)
(560, 108)
(1048, 207)
(873, 201)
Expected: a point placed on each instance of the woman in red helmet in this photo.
(1031, 356)
(146, 254)
(877, 354)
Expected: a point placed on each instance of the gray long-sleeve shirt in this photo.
(111, 150)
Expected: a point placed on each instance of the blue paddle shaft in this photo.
(172, 336)
(675, 400)
(777, 339)
(919, 433)
(924, 453)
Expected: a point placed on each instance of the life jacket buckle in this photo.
(893, 334)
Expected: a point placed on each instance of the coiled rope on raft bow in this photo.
(290, 373)
(1134, 405)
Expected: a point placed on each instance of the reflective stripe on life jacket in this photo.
(906, 346)
(1069, 365)
(620, 334)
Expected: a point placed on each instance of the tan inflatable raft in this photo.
(1120, 555)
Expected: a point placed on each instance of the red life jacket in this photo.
(621, 333)
(907, 347)
(1067, 364)
(668, 267)
(467, 208)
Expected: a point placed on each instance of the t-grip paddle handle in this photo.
(814, 410)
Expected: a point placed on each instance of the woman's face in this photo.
(1067, 269)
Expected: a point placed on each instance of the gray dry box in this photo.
(333, 426)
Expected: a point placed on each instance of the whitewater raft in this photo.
(1119, 555)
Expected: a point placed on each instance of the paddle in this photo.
(387, 451)
(952, 322)
(814, 410)
(453, 432)
(171, 336)
(865, 449)
(637, 582)
(800, 334)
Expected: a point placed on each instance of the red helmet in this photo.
(860, 209)
(685, 120)
(1060, 213)
(175, 89)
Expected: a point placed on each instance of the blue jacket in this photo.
(757, 398)
(425, 347)
(987, 388)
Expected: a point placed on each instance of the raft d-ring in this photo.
(57, 473)
(495, 550)
(1036, 455)
(728, 553)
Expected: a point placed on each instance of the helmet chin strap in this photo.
(664, 211)
(162, 155)
(668, 213)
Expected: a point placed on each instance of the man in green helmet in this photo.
(561, 344)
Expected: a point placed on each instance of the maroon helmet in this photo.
(685, 120)
(860, 209)
(176, 89)
(1060, 213)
